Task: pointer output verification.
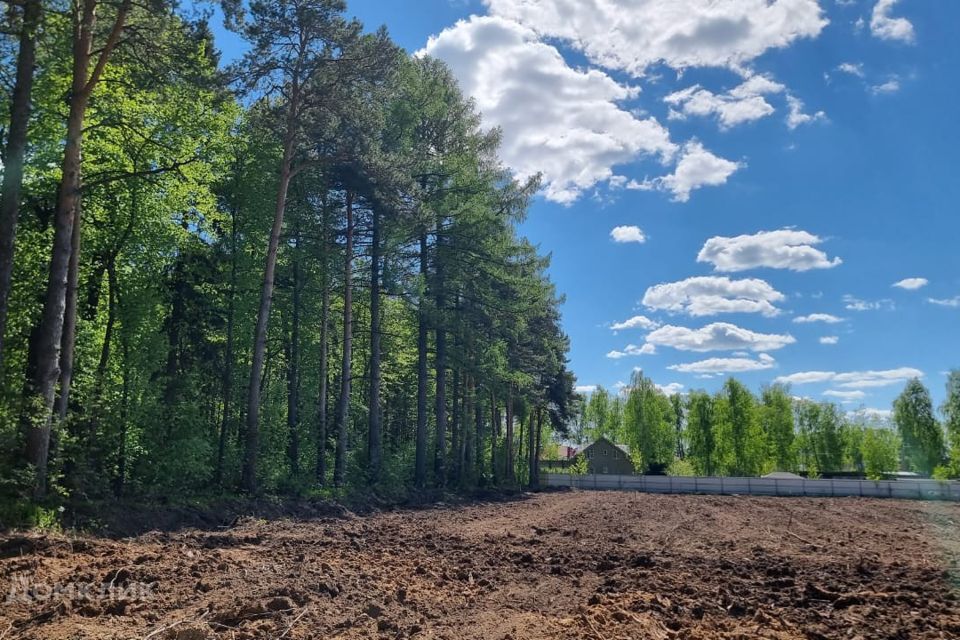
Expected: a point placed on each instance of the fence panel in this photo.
(904, 489)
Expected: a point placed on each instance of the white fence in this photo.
(904, 489)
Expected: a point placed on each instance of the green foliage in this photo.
(881, 452)
(580, 466)
(649, 425)
(951, 415)
(922, 436)
(682, 468)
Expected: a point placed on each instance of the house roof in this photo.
(623, 447)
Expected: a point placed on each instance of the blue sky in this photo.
(812, 143)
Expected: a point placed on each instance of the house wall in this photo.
(604, 457)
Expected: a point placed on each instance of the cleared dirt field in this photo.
(553, 565)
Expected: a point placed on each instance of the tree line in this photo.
(735, 432)
(296, 271)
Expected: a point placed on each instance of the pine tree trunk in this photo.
(494, 437)
(227, 379)
(249, 476)
(375, 431)
(14, 153)
(69, 337)
(46, 341)
(509, 474)
(455, 442)
(420, 471)
(293, 369)
(440, 466)
(324, 351)
(343, 404)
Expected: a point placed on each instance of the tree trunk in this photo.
(420, 472)
(375, 431)
(494, 437)
(509, 471)
(227, 379)
(440, 364)
(249, 476)
(535, 466)
(14, 153)
(293, 368)
(41, 387)
(69, 337)
(324, 353)
(124, 412)
(343, 404)
(455, 437)
(478, 439)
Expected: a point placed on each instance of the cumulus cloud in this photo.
(852, 68)
(718, 336)
(556, 120)
(797, 116)
(818, 317)
(711, 295)
(627, 234)
(696, 168)
(829, 340)
(741, 104)
(854, 379)
(631, 36)
(856, 304)
(636, 322)
(726, 365)
(670, 389)
(782, 249)
(911, 284)
(890, 86)
(585, 388)
(883, 25)
(633, 350)
(845, 396)
(945, 302)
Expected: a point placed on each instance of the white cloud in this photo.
(710, 295)
(797, 116)
(882, 25)
(585, 388)
(781, 249)
(670, 389)
(561, 121)
(628, 234)
(829, 340)
(854, 379)
(911, 284)
(636, 322)
(852, 68)
(890, 86)
(633, 350)
(856, 304)
(696, 168)
(718, 336)
(945, 302)
(726, 365)
(876, 414)
(818, 317)
(681, 33)
(845, 396)
(741, 104)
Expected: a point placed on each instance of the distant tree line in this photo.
(297, 272)
(735, 432)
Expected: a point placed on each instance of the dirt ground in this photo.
(552, 565)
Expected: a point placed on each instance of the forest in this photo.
(737, 433)
(296, 273)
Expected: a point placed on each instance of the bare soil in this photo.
(552, 565)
